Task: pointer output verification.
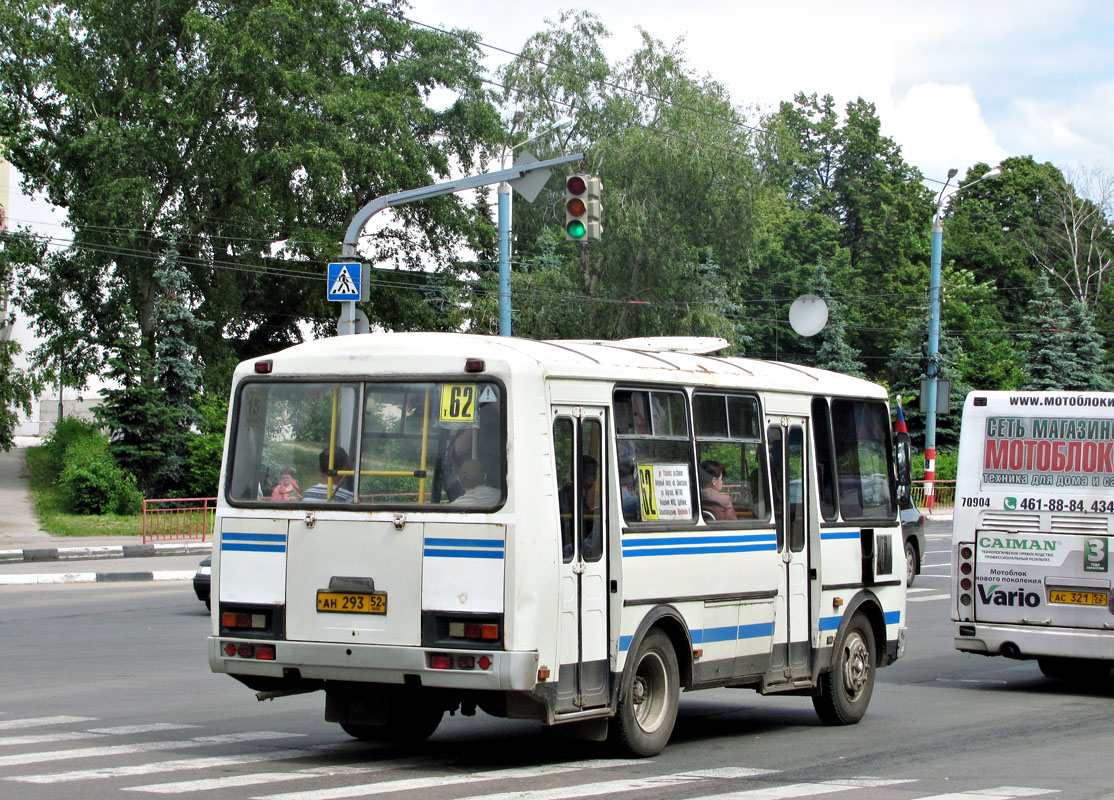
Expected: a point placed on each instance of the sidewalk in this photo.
(22, 540)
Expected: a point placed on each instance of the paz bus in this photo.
(1034, 503)
(565, 531)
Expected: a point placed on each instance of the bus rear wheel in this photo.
(407, 723)
(1086, 670)
(648, 703)
(845, 690)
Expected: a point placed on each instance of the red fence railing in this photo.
(178, 518)
(944, 491)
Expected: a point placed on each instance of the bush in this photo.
(68, 431)
(92, 483)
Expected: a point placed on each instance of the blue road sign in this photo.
(345, 281)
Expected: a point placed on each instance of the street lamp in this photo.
(932, 366)
(505, 229)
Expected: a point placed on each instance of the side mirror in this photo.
(903, 456)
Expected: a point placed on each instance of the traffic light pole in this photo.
(510, 176)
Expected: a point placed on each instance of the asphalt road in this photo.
(107, 694)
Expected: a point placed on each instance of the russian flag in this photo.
(899, 423)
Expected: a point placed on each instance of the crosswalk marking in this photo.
(141, 747)
(928, 597)
(47, 738)
(182, 764)
(35, 722)
(126, 730)
(999, 793)
(410, 784)
(791, 790)
(625, 785)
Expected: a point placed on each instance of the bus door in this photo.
(578, 440)
(788, 471)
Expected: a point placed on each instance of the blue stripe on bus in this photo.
(434, 553)
(253, 537)
(830, 623)
(689, 551)
(892, 617)
(727, 633)
(652, 542)
(256, 548)
(839, 535)
(464, 542)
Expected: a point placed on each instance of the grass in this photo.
(55, 520)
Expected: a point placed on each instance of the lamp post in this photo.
(504, 225)
(932, 366)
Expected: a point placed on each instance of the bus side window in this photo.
(566, 501)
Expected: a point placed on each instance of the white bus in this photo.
(1034, 502)
(571, 532)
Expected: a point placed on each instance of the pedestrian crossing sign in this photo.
(347, 280)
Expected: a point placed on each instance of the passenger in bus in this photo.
(287, 489)
(712, 497)
(628, 484)
(473, 479)
(342, 485)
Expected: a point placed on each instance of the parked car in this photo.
(912, 526)
(202, 579)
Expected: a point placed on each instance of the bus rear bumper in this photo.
(1018, 641)
(313, 661)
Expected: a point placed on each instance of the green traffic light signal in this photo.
(575, 229)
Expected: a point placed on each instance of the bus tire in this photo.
(845, 690)
(647, 708)
(406, 726)
(1085, 670)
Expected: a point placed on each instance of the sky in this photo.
(954, 82)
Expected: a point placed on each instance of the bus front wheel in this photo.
(648, 704)
(845, 690)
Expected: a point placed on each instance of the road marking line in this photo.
(626, 784)
(143, 747)
(211, 762)
(11, 724)
(410, 784)
(1000, 793)
(46, 738)
(806, 789)
(129, 729)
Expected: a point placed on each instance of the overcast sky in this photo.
(955, 82)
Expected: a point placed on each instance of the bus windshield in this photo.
(380, 444)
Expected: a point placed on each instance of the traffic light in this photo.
(582, 208)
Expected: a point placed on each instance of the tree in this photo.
(672, 155)
(243, 136)
(1050, 341)
(1087, 369)
(17, 386)
(834, 352)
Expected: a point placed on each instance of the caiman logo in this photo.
(993, 596)
(1044, 545)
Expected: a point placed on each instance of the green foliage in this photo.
(206, 447)
(243, 137)
(92, 483)
(947, 462)
(67, 432)
(17, 386)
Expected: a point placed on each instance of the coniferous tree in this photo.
(1087, 370)
(1048, 337)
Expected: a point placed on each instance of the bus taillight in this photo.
(966, 568)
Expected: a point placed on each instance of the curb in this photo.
(107, 551)
(95, 577)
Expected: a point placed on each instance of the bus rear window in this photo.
(371, 444)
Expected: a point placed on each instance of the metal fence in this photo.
(178, 518)
(945, 493)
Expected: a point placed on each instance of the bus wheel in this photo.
(648, 705)
(845, 690)
(404, 725)
(1085, 670)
